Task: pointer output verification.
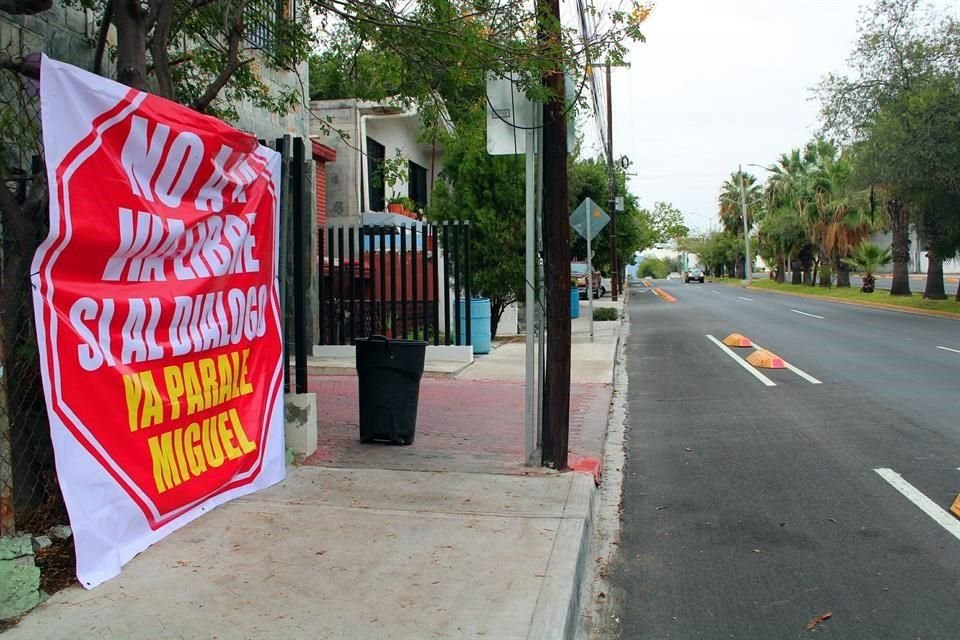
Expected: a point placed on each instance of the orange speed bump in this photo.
(763, 359)
(737, 340)
(955, 509)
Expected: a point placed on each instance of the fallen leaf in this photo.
(818, 619)
(757, 551)
(831, 519)
(663, 506)
(688, 449)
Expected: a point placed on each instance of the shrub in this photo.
(605, 313)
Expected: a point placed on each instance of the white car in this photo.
(604, 286)
(674, 275)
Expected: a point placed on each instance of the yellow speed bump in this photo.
(663, 294)
(737, 340)
(763, 359)
(955, 509)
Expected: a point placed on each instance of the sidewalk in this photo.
(450, 537)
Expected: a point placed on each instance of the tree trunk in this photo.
(843, 274)
(934, 289)
(796, 272)
(900, 247)
(130, 21)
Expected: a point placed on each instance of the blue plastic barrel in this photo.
(479, 324)
(575, 303)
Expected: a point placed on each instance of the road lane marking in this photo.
(714, 291)
(949, 349)
(759, 376)
(924, 503)
(803, 313)
(800, 372)
(747, 299)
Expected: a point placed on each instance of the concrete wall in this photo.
(342, 176)
(919, 263)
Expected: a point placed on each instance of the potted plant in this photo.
(404, 205)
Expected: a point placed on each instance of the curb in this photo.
(930, 313)
(557, 608)
(557, 611)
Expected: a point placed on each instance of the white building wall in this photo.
(919, 263)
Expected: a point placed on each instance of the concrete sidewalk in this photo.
(451, 537)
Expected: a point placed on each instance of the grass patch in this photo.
(879, 298)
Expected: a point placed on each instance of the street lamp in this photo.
(748, 265)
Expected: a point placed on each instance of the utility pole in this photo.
(612, 185)
(748, 265)
(556, 384)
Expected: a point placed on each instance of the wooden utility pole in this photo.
(556, 232)
(612, 209)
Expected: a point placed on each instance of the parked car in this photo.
(693, 274)
(578, 270)
(674, 275)
(604, 286)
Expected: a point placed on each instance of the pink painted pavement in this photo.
(462, 425)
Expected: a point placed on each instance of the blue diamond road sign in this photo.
(598, 218)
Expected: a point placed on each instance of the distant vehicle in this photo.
(578, 270)
(693, 274)
(674, 275)
(604, 286)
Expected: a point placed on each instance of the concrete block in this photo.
(19, 577)
(300, 422)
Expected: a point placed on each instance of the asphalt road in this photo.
(750, 510)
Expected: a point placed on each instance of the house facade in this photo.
(380, 155)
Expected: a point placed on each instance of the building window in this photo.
(261, 18)
(376, 153)
(418, 185)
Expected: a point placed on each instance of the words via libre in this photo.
(154, 248)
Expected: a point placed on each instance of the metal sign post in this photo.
(590, 275)
(588, 220)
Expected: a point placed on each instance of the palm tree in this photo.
(731, 206)
(836, 216)
(868, 257)
(784, 193)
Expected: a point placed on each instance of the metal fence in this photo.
(30, 499)
(401, 281)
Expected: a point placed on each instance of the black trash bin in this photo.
(389, 373)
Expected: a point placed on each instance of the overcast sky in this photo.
(719, 83)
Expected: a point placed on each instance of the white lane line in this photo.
(756, 374)
(924, 503)
(803, 313)
(747, 299)
(949, 349)
(800, 372)
(714, 291)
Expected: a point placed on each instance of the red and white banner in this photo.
(157, 311)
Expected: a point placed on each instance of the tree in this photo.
(834, 214)
(635, 232)
(781, 236)
(732, 204)
(489, 192)
(902, 45)
(667, 222)
(868, 257)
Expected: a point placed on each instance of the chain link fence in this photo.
(30, 498)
